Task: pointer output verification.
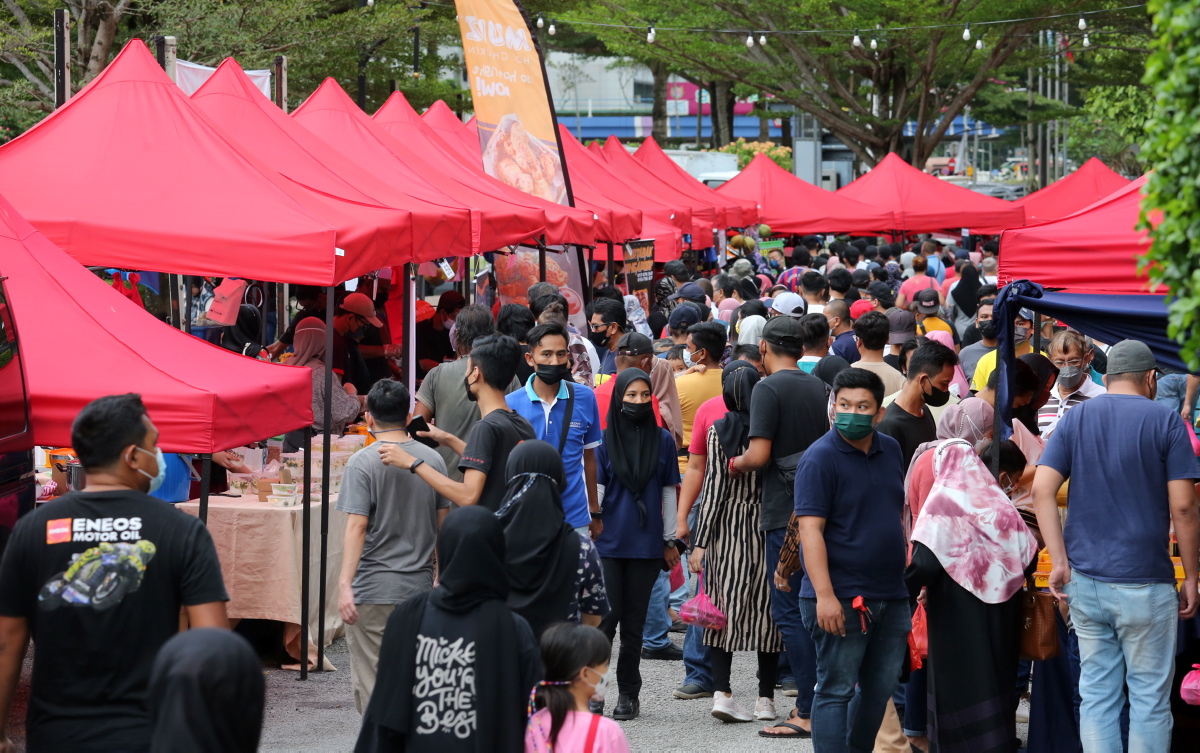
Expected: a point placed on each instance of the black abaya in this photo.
(973, 653)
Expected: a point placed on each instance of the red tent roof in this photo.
(615, 224)
(1090, 183)
(202, 398)
(924, 203)
(1095, 250)
(790, 205)
(235, 104)
(332, 116)
(706, 217)
(564, 224)
(738, 212)
(130, 174)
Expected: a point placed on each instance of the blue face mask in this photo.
(157, 480)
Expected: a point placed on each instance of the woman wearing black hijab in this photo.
(206, 694)
(638, 468)
(243, 337)
(554, 572)
(731, 549)
(456, 665)
(964, 298)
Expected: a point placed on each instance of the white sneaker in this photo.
(728, 710)
(764, 710)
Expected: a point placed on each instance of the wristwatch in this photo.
(416, 463)
(596, 514)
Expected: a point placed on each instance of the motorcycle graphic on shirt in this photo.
(99, 577)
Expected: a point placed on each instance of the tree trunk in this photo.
(722, 127)
(658, 113)
(764, 123)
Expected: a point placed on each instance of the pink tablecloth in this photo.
(260, 551)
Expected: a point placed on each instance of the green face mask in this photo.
(854, 425)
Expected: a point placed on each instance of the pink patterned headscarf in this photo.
(972, 527)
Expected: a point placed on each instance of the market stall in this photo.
(922, 203)
(1093, 181)
(738, 212)
(790, 205)
(707, 217)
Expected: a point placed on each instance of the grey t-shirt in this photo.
(443, 393)
(401, 511)
(969, 358)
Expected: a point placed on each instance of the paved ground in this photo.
(319, 715)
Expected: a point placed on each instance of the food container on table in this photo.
(350, 443)
(281, 500)
(241, 483)
(338, 460)
(292, 459)
(284, 489)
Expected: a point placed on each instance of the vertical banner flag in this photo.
(639, 270)
(518, 136)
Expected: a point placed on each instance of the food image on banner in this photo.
(516, 271)
(518, 136)
(639, 271)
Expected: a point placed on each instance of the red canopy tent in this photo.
(201, 397)
(333, 117)
(130, 174)
(738, 212)
(231, 101)
(790, 205)
(614, 223)
(924, 203)
(1093, 181)
(706, 217)
(564, 224)
(1094, 250)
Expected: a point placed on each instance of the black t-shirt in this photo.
(829, 367)
(909, 430)
(971, 335)
(488, 446)
(788, 408)
(893, 361)
(100, 577)
(433, 344)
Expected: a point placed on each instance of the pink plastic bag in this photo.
(676, 576)
(701, 612)
(918, 638)
(227, 299)
(1189, 691)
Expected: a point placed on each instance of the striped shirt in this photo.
(1057, 405)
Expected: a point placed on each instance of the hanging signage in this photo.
(518, 270)
(639, 270)
(518, 132)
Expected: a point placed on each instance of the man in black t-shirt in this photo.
(490, 369)
(787, 414)
(97, 578)
(908, 420)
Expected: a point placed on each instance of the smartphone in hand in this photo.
(419, 424)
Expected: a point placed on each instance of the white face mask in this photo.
(601, 687)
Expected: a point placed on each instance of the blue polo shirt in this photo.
(584, 434)
(625, 535)
(860, 496)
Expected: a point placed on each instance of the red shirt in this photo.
(709, 412)
(604, 397)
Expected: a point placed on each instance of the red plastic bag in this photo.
(918, 638)
(676, 575)
(1189, 691)
(701, 612)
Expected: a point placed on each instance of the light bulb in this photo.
(541, 22)
(1082, 23)
(650, 35)
(979, 44)
(762, 40)
(874, 43)
(370, 3)
(1086, 42)
(550, 31)
(967, 33)
(750, 40)
(856, 42)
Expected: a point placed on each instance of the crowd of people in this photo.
(809, 442)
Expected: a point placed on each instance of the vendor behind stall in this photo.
(345, 402)
(433, 335)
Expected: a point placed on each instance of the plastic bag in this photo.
(1189, 691)
(676, 576)
(227, 299)
(701, 612)
(918, 638)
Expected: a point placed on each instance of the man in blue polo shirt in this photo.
(549, 400)
(849, 493)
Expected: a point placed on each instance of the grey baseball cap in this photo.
(1130, 356)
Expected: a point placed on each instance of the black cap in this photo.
(676, 268)
(634, 344)
(860, 277)
(927, 301)
(881, 292)
(691, 291)
(683, 316)
(784, 331)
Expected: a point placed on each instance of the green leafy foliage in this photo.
(1173, 148)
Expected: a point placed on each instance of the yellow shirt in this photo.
(933, 324)
(987, 364)
(694, 389)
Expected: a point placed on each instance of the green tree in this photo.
(1173, 71)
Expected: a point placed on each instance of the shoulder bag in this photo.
(1038, 631)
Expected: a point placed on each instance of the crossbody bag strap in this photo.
(568, 413)
(593, 728)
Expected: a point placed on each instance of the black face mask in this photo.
(937, 398)
(553, 374)
(599, 339)
(467, 386)
(987, 329)
(637, 412)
